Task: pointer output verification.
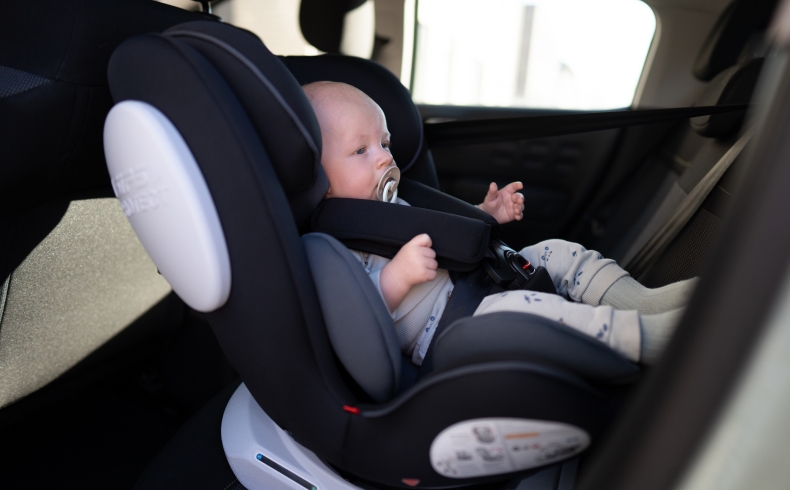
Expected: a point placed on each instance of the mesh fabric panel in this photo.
(684, 257)
(13, 81)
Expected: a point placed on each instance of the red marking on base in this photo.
(526, 266)
(412, 482)
(350, 409)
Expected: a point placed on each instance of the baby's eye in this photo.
(385, 145)
(360, 151)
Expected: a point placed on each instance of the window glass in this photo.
(565, 54)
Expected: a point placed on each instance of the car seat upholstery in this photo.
(679, 156)
(256, 141)
(668, 174)
(72, 273)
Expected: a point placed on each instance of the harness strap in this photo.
(468, 292)
(381, 228)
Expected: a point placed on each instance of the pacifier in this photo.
(387, 189)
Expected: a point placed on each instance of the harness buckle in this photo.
(507, 268)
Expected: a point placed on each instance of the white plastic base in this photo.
(265, 457)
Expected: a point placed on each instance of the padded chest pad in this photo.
(359, 326)
(381, 228)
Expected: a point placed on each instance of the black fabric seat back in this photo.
(72, 274)
(668, 173)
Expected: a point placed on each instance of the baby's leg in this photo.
(637, 337)
(579, 274)
(617, 329)
(585, 276)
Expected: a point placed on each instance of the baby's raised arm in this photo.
(415, 263)
(505, 204)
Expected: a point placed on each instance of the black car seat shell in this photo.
(208, 80)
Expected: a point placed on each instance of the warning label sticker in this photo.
(493, 446)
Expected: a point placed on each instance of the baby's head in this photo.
(356, 142)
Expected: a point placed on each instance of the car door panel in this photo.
(558, 173)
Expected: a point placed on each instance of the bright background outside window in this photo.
(565, 54)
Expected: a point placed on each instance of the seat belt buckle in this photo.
(510, 270)
(497, 264)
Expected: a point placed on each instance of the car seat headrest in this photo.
(732, 86)
(732, 31)
(268, 92)
(360, 327)
(403, 119)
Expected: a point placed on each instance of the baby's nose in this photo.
(384, 159)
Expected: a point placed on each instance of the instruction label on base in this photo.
(492, 446)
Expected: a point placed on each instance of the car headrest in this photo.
(268, 92)
(734, 85)
(736, 25)
(339, 26)
(403, 119)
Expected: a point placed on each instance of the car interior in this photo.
(177, 309)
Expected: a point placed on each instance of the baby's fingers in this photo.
(431, 264)
(422, 240)
(492, 191)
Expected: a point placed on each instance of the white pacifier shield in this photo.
(493, 446)
(167, 201)
(387, 189)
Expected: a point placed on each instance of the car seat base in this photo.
(263, 456)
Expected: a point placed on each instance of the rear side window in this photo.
(562, 54)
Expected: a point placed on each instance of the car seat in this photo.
(72, 274)
(215, 154)
(629, 211)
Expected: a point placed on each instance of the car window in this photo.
(565, 54)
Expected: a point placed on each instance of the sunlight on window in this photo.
(565, 54)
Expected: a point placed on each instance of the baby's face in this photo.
(356, 147)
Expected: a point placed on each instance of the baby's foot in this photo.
(627, 294)
(656, 330)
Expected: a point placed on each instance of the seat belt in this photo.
(529, 127)
(642, 261)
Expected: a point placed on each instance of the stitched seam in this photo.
(725, 191)
(231, 484)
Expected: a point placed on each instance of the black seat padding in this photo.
(359, 325)
(531, 338)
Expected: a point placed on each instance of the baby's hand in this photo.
(505, 205)
(415, 263)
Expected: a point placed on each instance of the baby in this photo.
(605, 303)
